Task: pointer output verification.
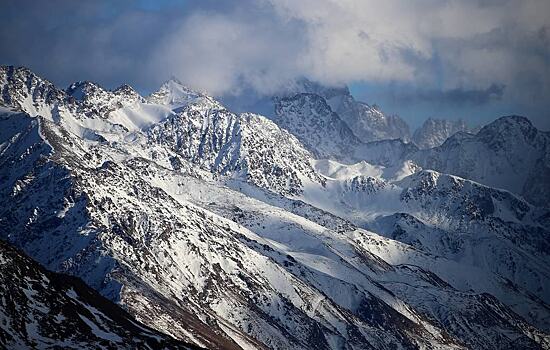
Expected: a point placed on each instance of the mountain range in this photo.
(319, 227)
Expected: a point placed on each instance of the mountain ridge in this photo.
(192, 223)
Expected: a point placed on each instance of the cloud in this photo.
(223, 53)
(452, 97)
(449, 46)
(454, 51)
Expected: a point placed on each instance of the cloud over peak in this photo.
(448, 49)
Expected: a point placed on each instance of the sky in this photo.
(470, 59)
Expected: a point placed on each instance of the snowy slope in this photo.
(42, 309)
(136, 244)
(451, 217)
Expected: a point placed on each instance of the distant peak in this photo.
(83, 84)
(515, 119)
(509, 122)
(174, 80)
(175, 94)
(9, 68)
(126, 89)
(305, 85)
(21, 72)
(174, 85)
(80, 90)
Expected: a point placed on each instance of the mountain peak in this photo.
(310, 118)
(174, 93)
(509, 125)
(81, 90)
(513, 120)
(434, 132)
(11, 70)
(128, 92)
(327, 92)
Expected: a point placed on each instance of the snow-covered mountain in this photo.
(434, 132)
(241, 146)
(312, 121)
(367, 122)
(509, 153)
(42, 309)
(324, 133)
(224, 230)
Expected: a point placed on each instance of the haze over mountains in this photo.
(320, 227)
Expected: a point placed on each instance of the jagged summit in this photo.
(367, 122)
(81, 90)
(509, 153)
(308, 86)
(434, 132)
(509, 124)
(175, 94)
(25, 91)
(309, 117)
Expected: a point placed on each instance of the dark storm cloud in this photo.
(453, 97)
(68, 40)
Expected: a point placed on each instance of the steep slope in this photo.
(310, 119)
(42, 309)
(509, 153)
(367, 122)
(434, 132)
(243, 146)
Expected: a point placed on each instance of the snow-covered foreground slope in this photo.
(294, 235)
(198, 225)
(42, 309)
(173, 265)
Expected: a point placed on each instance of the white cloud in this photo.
(444, 44)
